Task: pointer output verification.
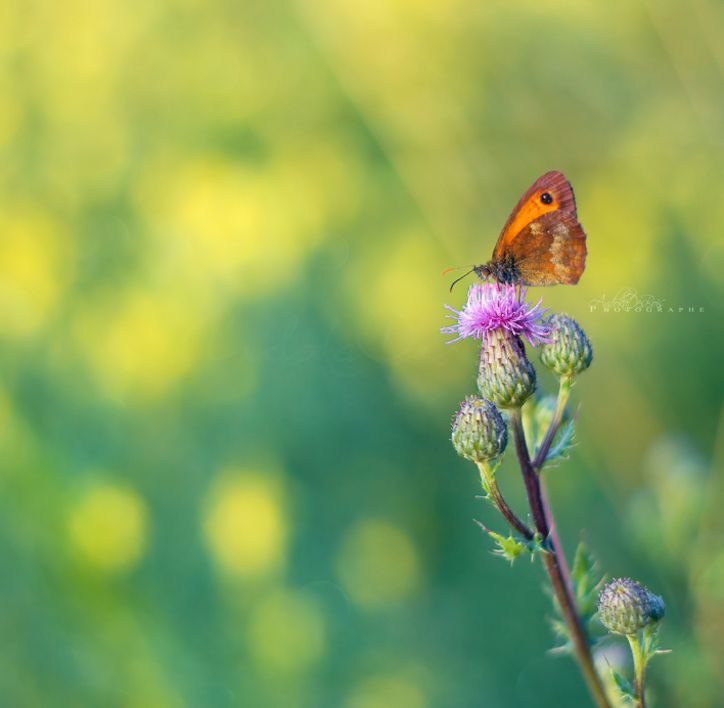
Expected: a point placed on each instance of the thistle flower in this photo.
(625, 606)
(479, 432)
(494, 307)
(500, 316)
(568, 350)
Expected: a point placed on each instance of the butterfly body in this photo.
(503, 270)
(542, 242)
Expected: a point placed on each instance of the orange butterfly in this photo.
(542, 242)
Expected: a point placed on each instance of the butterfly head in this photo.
(484, 272)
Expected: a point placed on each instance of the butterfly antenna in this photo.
(450, 270)
(457, 280)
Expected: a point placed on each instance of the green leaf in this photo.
(586, 583)
(623, 685)
(537, 415)
(563, 442)
(509, 547)
(583, 564)
(650, 643)
(559, 628)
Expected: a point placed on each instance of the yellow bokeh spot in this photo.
(78, 51)
(378, 691)
(377, 564)
(108, 527)
(207, 216)
(287, 632)
(230, 228)
(144, 344)
(245, 524)
(34, 266)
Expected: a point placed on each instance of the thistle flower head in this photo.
(626, 607)
(479, 432)
(567, 351)
(491, 307)
(505, 375)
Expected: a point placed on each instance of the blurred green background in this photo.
(226, 478)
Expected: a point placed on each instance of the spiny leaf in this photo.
(564, 441)
(650, 644)
(582, 564)
(509, 547)
(559, 628)
(623, 685)
(586, 582)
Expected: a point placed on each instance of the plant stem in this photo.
(555, 539)
(639, 670)
(490, 485)
(564, 391)
(552, 562)
(530, 478)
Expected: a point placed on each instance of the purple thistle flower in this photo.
(491, 306)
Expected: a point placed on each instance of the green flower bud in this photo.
(568, 350)
(625, 606)
(505, 377)
(479, 432)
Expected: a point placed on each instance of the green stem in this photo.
(639, 670)
(564, 391)
(554, 564)
(490, 485)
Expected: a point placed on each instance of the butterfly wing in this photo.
(550, 193)
(550, 250)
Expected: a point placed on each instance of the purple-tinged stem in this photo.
(552, 563)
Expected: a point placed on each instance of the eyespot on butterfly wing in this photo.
(542, 242)
(551, 250)
(551, 192)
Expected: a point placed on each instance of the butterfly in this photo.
(542, 242)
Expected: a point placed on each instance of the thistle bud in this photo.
(625, 606)
(505, 377)
(479, 432)
(568, 350)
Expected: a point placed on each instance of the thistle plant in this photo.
(508, 405)
(628, 608)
